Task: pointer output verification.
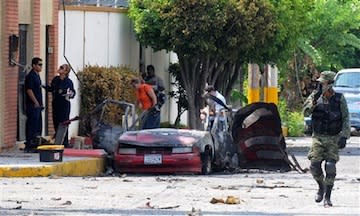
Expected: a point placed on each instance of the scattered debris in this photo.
(90, 187)
(195, 212)
(122, 175)
(170, 180)
(284, 196)
(231, 187)
(148, 205)
(67, 203)
(219, 187)
(216, 200)
(17, 201)
(54, 177)
(257, 197)
(127, 180)
(265, 186)
(90, 178)
(276, 186)
(56, 199)
(170, 207)
(231, 200)
(259, 181)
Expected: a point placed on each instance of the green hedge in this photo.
(101, 83)
(293, 120)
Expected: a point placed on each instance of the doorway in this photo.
(21, 117)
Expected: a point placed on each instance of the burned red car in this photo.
(164, 150)
(167, 150)
(252, 139)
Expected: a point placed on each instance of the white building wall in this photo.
(96, 38)
(120, 40)
(74, 53)
(106, 39)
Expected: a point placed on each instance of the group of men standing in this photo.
(62, 90)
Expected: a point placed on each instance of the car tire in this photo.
(206, 163)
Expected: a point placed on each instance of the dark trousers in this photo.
(61, 113)
(151, 120)
(33, 125)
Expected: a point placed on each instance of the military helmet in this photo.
(326, 76)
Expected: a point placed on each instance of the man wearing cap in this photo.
(331, 128)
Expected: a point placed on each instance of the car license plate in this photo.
(152, 159)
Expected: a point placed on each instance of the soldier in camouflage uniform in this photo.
(331, 128)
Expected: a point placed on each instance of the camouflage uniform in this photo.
(325, 147)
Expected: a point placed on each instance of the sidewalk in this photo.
(75, 162)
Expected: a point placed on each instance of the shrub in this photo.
(296, 124)
(282, 107)
(101, 83)
(293, 120)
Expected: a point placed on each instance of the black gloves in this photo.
(342, 142)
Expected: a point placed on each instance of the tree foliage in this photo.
(215, 38)
(212, 38)
(332, 31)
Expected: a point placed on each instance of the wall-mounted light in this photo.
(13, 47)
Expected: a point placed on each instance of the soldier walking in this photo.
(331, 128)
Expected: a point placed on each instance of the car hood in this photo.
(164, 137)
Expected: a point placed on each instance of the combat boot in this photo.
(320, 193)
(327, 201)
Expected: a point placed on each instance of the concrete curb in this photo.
(80, 167)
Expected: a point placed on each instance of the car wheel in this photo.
(206, 164)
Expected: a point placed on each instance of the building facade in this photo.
(82, 33)
(28, 28)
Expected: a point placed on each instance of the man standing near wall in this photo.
(34, 105)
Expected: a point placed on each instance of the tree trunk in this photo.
(194, 76)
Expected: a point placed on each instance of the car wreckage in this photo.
(251, 138)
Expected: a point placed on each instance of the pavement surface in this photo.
(258, 192)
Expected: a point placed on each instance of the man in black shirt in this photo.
(33, 105)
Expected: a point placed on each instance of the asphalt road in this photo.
(258, 192)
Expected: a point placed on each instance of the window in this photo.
(349, 79)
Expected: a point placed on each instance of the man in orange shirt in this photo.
(146, 99)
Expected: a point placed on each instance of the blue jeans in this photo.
(151, 120)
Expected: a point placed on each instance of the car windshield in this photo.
(350, 79)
